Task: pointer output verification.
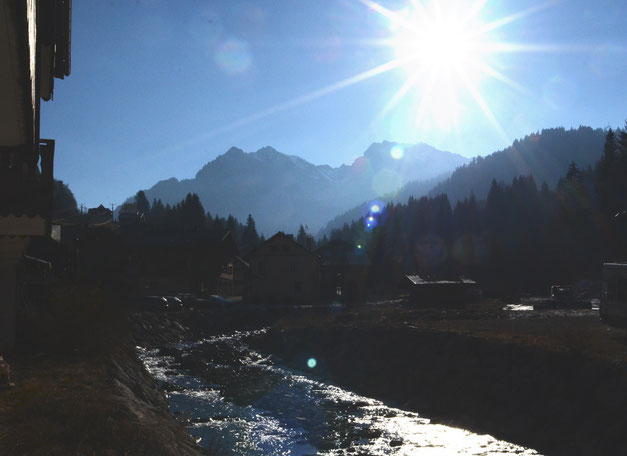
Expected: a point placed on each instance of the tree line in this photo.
(188, 218)
(544, 154)
(521, 237)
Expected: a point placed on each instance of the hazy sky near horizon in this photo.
(159, 88)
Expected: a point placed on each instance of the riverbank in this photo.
(87, 403)
(555, 382)
(551, 380)
(239, 401)
(555, 403)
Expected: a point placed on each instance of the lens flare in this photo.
(233, 56)
(397, 152)
(375, 208)
(311, 363)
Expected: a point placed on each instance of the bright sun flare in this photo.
(440, 59)
(436, 41)
(445, 48)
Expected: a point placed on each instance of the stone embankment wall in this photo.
(557, 403)
(147, 407)
(88, 404)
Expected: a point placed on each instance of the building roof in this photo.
(99, 211)
(417, 280)
(238, 259)
(279, 236)
(95, 217)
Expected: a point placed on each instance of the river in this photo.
(237, 401)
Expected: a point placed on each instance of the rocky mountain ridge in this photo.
(282, 191)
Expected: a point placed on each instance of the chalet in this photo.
(427, 292)
(234, 279)
(282, 270)
(34, 50)
(344, 271)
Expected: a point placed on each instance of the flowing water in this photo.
(236, 401)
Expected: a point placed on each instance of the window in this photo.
(294, 266)
(298, 287)
(338, 291)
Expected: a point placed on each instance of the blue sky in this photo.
(159, 88)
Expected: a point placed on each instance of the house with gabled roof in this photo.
(282, 271)
(234, 278)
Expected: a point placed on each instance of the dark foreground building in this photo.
(282, 271)
(34, 49)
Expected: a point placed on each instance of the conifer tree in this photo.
(232, 226)
(622, 142)
(63, 201)
(301, 237)
(250, 238)
(142, 203)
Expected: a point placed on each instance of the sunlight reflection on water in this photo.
(242, 403)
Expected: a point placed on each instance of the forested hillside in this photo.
(415, 189)
(522, 236)
(543, 155)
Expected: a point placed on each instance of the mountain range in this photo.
(545, 155)
(282, 191)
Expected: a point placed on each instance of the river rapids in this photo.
(237, 401)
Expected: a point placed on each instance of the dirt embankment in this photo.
(88, 404)
(558, 403)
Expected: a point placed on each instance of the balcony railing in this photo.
(26, 179)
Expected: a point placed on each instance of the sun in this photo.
(432, 40)
(446, 49)
(443, 47)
